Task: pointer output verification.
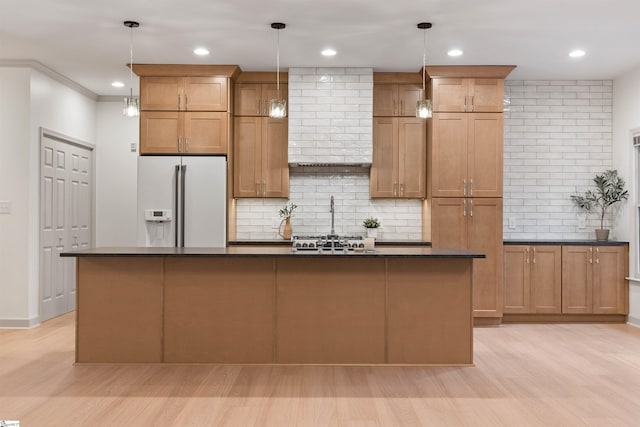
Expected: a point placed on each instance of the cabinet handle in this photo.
(395, 188)
(471, 209)
(534, 255)
(471, 187)
(394, 108)
(590, 255)
(264, 188)
(402, 190)
(179, 144)
(186, 145)
(265, 110)
(473, 103)
(257, 106)
(186, 102)
(527, 256)
(597, 255)
(401, 107)
(465, 103)
(464, 187)
(257, 188)
(464, 207)
(179, 103)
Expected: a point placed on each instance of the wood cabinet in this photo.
(261, 162)
(467, 95)
(475, 224)
(396, 100)
(399, 158)
(593, 279)
(184, 94)
(171, 132)
(466, 155)
(252, 99)
(532, 279)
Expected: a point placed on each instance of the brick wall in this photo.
(558, 135)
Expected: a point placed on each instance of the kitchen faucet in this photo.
(333, 211)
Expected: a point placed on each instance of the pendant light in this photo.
(278, 106)
(424, 109)
(131, 104)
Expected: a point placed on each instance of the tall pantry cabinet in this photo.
(464, 173)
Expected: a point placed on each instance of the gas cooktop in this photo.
(330, 242)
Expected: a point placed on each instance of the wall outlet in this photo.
(512, 223)
(5, 207)
(582, 222)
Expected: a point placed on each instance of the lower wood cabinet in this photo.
(532, 279)
(593, 279)
(174, 132)
(475, 224)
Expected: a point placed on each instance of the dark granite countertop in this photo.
(281, 242)
(266, 251)
(567, 242)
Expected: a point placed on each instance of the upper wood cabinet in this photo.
(532, 279)
(397, 100)
(184, 94)
(467, 95)
(260, 155)
(475, 224)
(593, 279)
(173, 132)
(465, 152)
(399, 158)
(252, 99)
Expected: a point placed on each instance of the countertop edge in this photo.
(566, 242)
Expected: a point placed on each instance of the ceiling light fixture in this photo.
(201, 51)
(577, 53)
(424, 110)
(117, 84)
(328, 52)
(455, 52)
(278, 106)
(131, 104)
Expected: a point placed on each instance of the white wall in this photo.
(116, 176)
(14, 187)
(30, 100)
(626, 117)
(558, 135)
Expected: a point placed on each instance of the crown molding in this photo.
(49, 72)
(110, 98)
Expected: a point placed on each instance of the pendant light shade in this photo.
(278, 106)
(131, 103)
(424, 109)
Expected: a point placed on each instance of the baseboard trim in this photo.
(633, 321)
(564, 318)
(20, 323)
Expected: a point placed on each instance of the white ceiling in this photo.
(86, 40)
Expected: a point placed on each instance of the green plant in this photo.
(609, 190)
(371, 222)
(287, 210)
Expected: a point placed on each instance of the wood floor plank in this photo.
(525, 375)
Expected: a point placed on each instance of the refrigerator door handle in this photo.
(182, 208)
(175, 206)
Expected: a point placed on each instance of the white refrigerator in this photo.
(182, 201)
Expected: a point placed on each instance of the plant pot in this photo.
(288, 230)
(372, 232)
(602, 234)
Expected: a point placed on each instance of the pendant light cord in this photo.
(131, 60)
(278, 62)
(424, 62)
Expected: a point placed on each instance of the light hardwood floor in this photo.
(525, 375)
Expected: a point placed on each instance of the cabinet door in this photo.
(546, 279)
(609, 280)
(517, 290)
(448, 155)
(486, 95)
(408, 96)
(577, 279)
(385, 100)
(449, 95)
(247, 156)
(412, 157)
(275, 155)
(161, 94)
(269, 92)
(449, 223)
(247, 99)
(485, 235)
(160, 132)
(205, 132)
(205, 94)
(484, 155)
(384, 172)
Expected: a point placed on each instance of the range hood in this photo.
(330, 117)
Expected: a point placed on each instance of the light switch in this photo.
(5, 207)
(582, 222)
(512, 223)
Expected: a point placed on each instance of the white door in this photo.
(65, 203)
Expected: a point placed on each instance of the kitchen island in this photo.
(269, 305)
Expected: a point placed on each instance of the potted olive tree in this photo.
(609, 191)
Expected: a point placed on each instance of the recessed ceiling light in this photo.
(328, 52)
(454, 52)
(117, 84)
(577, 53)
(201, 51)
